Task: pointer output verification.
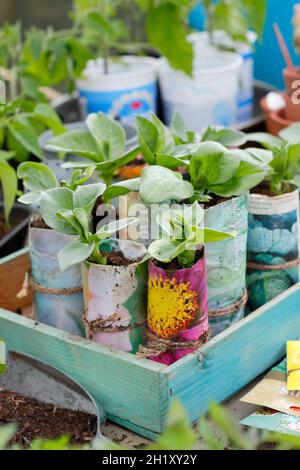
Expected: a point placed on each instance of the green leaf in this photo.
(75, 253)
(167, 32)
(229, 18)
(121, 188)
(30, 198)
(245, 178)
(81, 176)
(108, 133)
(171, 162)
(7, 432)
(148, 138)
(86, 196)
(255, 12)
(79, 143)
(160, 184)
(36, 176)
(259, 157)
(26, 136)
(178, 435)
(113, 227)
(6, 155)
(224, 421)
(206, 235)
(54, 201)
(166, 250)
(46, 114)
(268, 141)
(212, 165)
(9, 183)
(291, 134)
(178, 127)
(225, 136)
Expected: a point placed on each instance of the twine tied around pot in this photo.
(273, 267)
(156, 346)
(30, 283)
(230, 309)
(99, 325)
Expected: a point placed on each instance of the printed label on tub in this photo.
(123, 104)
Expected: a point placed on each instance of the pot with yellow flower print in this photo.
(177, 289)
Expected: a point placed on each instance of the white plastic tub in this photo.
(202, 47)
(129, 88)
(207, 98)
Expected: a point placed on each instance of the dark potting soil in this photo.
(39, 420)
(215, 201)
(39, 223)
(265, 190)
(174, 265)
(116, 258)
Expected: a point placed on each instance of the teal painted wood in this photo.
(136, 393)
(126, 387)
(237, 356)
(13, 256)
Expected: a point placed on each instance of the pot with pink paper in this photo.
(177, 289)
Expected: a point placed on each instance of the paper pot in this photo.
(177, 310)
(273, 240)
(115, 301)
(226, 264)
(55, 309)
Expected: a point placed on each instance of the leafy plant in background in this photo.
(165, 23)
(21, 122)
(218, 431)
(235, 17)
(184, 235)
(103, 144)
(167, 30)
(69, 212)
(8, 184)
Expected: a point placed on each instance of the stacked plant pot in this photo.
(289, 112)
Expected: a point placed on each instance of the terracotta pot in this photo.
(275, 120)
(290, 76)
(292, 110)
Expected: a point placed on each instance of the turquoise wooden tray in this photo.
(137, 393)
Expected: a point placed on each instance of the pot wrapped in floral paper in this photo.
(177, 290)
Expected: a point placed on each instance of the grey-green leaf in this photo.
(75, 253)
(160, 184)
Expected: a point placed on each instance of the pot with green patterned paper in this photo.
(273, 246)
(115, 297)
(274, 237)
(226, 263)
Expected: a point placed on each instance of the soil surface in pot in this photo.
(174, 264)
(39, 223)
(116, 258)
(5, 229)
(39, 420)
(265, 190)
